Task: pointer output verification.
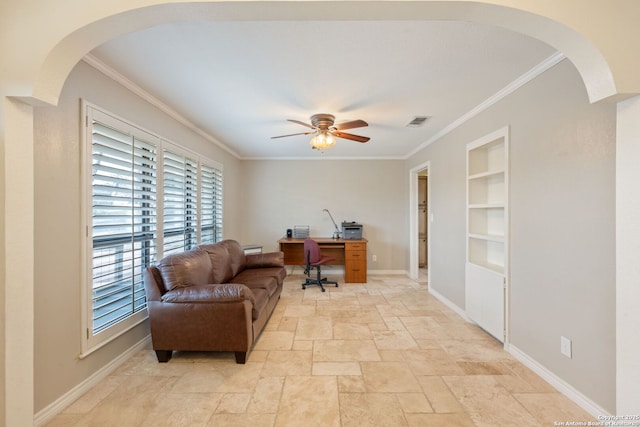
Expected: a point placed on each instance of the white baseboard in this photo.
(388, 272)
(45, 415)
(460, 312)
(557, 382)
(293, 270)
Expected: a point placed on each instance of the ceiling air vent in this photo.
(417, 121)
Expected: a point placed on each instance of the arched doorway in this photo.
(51, 69)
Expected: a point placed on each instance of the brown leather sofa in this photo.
(212, 298)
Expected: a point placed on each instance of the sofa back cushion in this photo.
(185, 269)
(236, 254)
(221, 271)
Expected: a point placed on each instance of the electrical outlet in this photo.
(374, 258)
(565, 346)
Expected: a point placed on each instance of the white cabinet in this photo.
(487, 231)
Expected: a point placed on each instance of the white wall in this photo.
(562, 216)
(280, 194)
(58, 228)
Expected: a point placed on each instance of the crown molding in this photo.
(119, 78)
(545, 65)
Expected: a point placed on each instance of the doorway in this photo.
(419, 224)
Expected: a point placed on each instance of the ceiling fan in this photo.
(325, 130)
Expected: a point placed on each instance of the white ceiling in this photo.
(240, 81)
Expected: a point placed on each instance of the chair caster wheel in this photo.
(304, 287)
(323, 290)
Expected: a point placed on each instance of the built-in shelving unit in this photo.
(487, 231)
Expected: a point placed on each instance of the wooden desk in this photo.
(350, 253)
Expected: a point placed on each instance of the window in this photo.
(211, 203)
(146, 198)
(180, 203)
(192, 197)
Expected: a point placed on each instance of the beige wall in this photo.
(58, 227)
(562, 217)
(280, 194)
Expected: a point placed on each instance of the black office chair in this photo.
(314, 259)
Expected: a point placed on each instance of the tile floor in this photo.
(385, 353)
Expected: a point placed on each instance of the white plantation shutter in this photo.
(211, 204)
(145, 198)
(180, 196)
(123, 229)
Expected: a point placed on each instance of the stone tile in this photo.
(488, 403)
(414, 403)
(351, 331)
(336, 368)
(484, 368)
(529, 377)
(281, 363)
(311, 400)
(393, 377)
(94, 396)
(553, 407)
(394, 340)
(266, 398)
(476, 351)
(274, 340)
(439, 420)
(345, 351)
(370, 409)
(299, 345)
(351, 384)
(129, 404)
(439, 395)
(300, 310)
(315, 328)
(233, 403)
(182, 409)
(242, 420)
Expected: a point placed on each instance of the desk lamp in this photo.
(336, 234)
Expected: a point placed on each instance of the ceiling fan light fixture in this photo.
(322, 140)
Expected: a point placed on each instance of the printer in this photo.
(351, 230)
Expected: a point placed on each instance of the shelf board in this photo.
(489, 237)
(485, 174)
(486, 206)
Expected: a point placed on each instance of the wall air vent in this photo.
(418, 121)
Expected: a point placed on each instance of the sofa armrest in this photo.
(269, 259)
(207, 294)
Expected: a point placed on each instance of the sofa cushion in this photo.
(261, 298)
(253, 280)
(221, 271)
(278, 273)
(185, 269)
(227, 292)
(236, 254)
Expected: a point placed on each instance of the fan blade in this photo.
(292, 134)
(350, 136)
(301, 123)
(351, 125)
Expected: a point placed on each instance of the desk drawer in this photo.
(356, 246)
(355, 256)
